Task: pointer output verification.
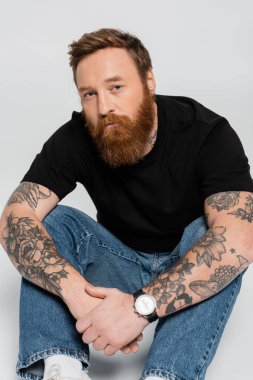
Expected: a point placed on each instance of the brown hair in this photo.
(91, 42)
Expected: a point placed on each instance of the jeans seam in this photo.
(219, 325)
(112, 250)
(80, 243)
(160, 373)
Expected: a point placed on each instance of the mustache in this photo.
(113, 118)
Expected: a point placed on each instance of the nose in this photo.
(104, 105)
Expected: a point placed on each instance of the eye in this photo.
(117, 87)
(88, 94)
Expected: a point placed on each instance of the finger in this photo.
(110, 350)
(83, 323)
(99, 344)
(125, 349)
(134, 347)
(89, 335)
(96, 291)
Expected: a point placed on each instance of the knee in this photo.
(62, 217)
(64, 226)
(192, 233)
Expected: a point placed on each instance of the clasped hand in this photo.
(112, 324)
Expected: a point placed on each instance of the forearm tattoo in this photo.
(222, 276)
(210, 246)
(170, 289)
(29, 192)
(34, 253)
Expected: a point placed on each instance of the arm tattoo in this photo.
(170, 286)
(210, 246)
(220, 279)
(29, 192)
(224, 200)
(247, 212)
(34, 253)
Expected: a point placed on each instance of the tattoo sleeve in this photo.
(28, 244)
(33, 253)
(28, 192)
(229, 199)
(202, 272)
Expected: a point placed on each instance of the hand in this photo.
(132, 346)
(81, 303)
(113, 324)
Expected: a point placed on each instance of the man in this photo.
(153, 165)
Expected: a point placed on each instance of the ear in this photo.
(151, 83)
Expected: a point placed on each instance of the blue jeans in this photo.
(184, 343)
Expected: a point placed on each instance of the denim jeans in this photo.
(184, 343)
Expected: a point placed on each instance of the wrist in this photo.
(145, 306)
(74, 286)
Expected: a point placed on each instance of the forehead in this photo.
(106, 63)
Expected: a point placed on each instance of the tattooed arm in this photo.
(220, 255)
(31, 249)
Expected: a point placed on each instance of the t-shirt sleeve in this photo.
(54, 166)
(222, 164)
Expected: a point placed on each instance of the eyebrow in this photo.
(116, 78)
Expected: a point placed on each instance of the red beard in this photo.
(125, 143)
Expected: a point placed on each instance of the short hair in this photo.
(100, 39)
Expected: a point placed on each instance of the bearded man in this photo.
(173, 237)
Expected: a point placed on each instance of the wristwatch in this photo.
(145, 305)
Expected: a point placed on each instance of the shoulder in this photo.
(71, 137)
(186, 111)
(72, 129)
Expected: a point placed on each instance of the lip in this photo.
(110, 125)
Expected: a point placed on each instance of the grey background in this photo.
(201, 49)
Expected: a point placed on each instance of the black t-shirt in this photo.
(147, 205)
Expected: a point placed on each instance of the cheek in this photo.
(127, 108)
(90, 115)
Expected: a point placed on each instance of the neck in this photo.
(153, 134)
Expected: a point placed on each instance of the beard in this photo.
(126, 142)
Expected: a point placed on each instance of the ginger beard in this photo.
(126, 142)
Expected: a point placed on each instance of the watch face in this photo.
(145, 304)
